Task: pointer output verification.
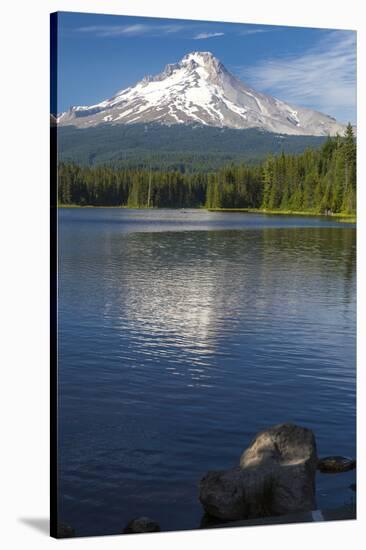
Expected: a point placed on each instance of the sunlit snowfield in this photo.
(182, 334)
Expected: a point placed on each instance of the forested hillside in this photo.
(180, 147)
(318, 180)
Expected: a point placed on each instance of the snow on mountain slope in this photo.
(200, 90)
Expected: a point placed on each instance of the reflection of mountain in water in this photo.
(174, 343)
(181, 295)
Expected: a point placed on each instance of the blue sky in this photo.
(101, 54)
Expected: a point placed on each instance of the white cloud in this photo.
(130, 30)
(324, 77)
(154, 29)
(254, 31)
(204, 35)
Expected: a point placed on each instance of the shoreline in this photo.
(347, 218)
(343, 217)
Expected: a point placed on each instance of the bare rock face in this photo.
(142, 525)
(276, 476)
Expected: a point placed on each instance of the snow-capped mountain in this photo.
(199, 90)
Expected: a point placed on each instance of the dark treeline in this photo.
(104, 186)
(322, 180)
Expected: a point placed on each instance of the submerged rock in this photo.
(336, 464)
(142, 525)
(276, 476)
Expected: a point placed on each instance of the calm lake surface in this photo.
(182, 334)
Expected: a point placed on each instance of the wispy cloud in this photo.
(155, 30)
(247, 32)
(140, 29)
(323, 77)
(204, 35)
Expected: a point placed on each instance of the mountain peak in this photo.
(205, 60)
(199, 57)
(201, 64)
(198, 89)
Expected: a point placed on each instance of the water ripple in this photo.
(180, 337)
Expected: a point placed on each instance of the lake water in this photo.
(181, 335)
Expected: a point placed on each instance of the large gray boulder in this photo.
(275, 476)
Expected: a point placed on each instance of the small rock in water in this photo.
(65, 531)
(276, 476)
(142, 525)
(336, 464)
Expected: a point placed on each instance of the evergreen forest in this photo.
(319, 180)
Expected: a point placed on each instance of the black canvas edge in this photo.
(53, 279)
